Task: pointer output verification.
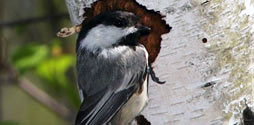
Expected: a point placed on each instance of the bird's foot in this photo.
(153, 76)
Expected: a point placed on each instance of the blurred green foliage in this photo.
(29, 56)
(50, 65)
(8, 123)
(54, 71)
(20, 29)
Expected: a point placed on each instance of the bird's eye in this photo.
(119, 23)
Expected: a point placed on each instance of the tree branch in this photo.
(45, 99)
(10, 76)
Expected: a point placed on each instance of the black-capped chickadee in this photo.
(112, 69)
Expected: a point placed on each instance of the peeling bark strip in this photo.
(149, 18)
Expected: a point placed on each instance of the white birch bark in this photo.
(187, 64)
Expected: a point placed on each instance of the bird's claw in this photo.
(153, 76)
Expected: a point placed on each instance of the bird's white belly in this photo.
(132, 108)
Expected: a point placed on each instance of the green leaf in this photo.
(53, 70)
(29, 56)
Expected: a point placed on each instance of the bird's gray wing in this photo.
(109, 84)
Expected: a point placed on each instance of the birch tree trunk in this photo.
(207, 61)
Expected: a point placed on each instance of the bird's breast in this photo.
(132, 108)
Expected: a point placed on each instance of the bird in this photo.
(112, 69)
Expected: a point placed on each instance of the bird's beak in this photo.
(143, 30)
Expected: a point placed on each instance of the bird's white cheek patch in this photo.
(103, 36)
